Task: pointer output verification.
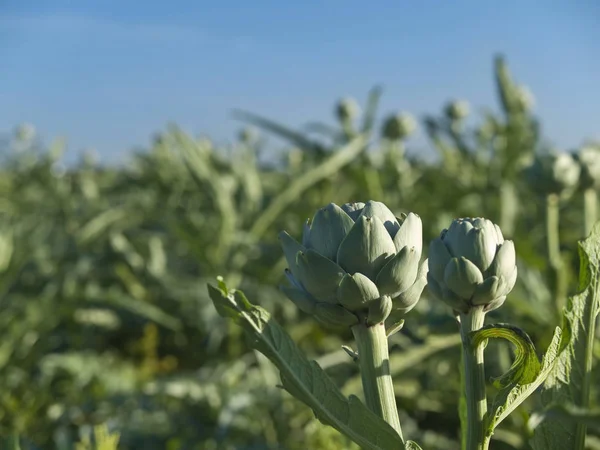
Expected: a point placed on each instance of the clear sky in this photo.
(107, 74)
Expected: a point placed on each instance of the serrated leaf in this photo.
(570, 380)
(412, 445)
(526, 365)
(305, 379)
(508, 399)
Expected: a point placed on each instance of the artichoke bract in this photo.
(357, 263)
(471, 264)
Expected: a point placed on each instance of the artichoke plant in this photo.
(589, 160)
(357, 263)
(471, 264)
(398, 127)
(553, 173)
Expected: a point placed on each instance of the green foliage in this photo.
(302, 378)
(105, 317)
(570, 380)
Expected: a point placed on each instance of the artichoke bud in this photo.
(457, 110)
(347, 109)
(471, 264)
(335, 315)
(379, 310)
(553, 173)
(399, 127)
(357, 262)
(589, 161)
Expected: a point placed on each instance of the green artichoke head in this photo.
(356, 263)
(398, 127)
(457, 110)
(347, 109)
(471, 264)
(553, 173)
(589, 160)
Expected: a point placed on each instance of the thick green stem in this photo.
(557, 274)
(374, 362)
(474, 380)
(590, 210)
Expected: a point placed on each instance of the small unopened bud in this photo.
(398, 127)
(553, 173)
(347, 109)
(589, 160)
(457, 110)
(25, 132)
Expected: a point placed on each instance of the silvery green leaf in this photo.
(378, 209)
(408, 299)
(462, 277)
(367, 247)
(456, 236)
(353, 209)
(571, 378)
(486, 291)
(399, 273)
(301, 299)
(335, 315)
(319, 275)
(291, 247)
(355, 291)
(328, 229)
(305, 379)
(439, 257)
(379, 310)
(410, 234)
(509, 398)
(505, 261)
(480, 247)
(494, 304)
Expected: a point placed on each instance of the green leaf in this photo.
(302, 378)
(570, 380)
(567, 413)
(411, 445)
(526, 365)
(509, 398)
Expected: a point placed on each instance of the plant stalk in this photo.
(374, 363)
(553, 243)
(474, 380)
(590, 210)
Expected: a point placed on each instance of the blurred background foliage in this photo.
(105, 317)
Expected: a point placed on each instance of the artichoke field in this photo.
(105, 318)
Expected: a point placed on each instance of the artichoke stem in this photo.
(553, 242)
(373, 360)
(474, 380)
(590, 210)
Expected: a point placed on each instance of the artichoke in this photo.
(347, 109)
(398, 127)
(471, 264)
(589, 161)
(357, 263)
(553, 173)
(457, 110)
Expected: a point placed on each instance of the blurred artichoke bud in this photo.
(589, 161)
(399, 127)
(457, 110)
(471, 264)
(524, 98)
(25, 132)
(356, 264)
(554, 173)
(347, 109)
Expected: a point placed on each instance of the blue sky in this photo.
(107, 74)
